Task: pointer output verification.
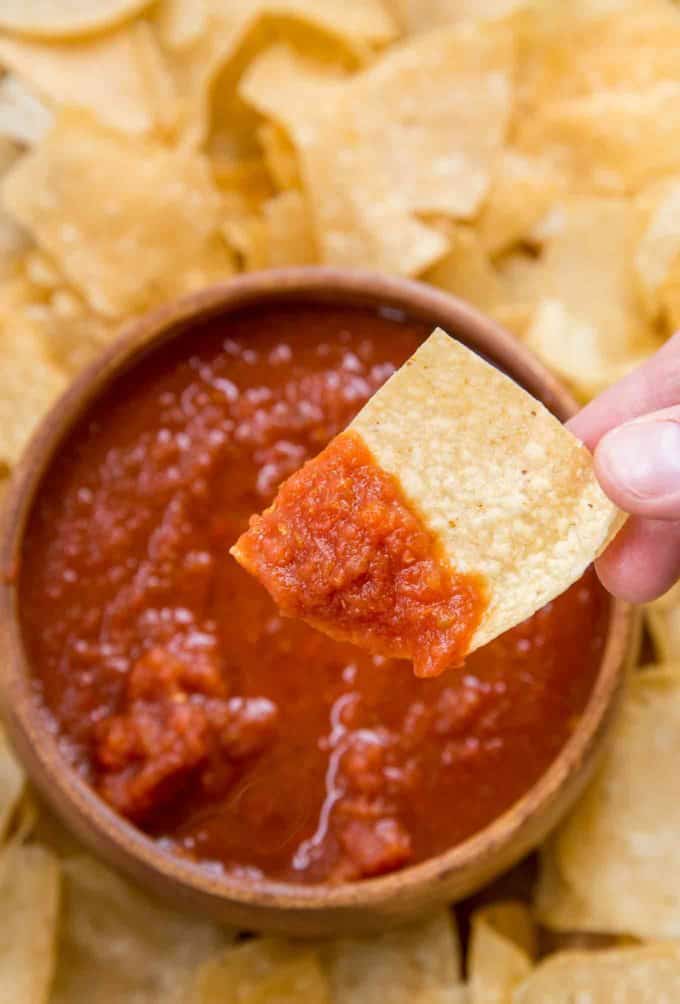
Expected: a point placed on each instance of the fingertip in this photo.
(643, 560)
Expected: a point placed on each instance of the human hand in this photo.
(634, 430)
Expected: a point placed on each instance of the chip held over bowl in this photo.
(452, 508)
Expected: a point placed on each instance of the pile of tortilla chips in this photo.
(524, 154)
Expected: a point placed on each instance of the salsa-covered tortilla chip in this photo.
(452, 508)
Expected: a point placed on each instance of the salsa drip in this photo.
(233, 735)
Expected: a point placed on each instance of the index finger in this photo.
(652, 386)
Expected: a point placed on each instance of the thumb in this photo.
(638, 465)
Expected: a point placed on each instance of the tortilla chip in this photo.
(646, 975)
(586, 236)
(29, 893)
(501, 952)
(181, 23)
(578, 352)
(366, 198)
(523, 190)
(263, 971)
(31, 380)
(13, 239)
(279, 154)
(592, 46)
(417, 964)
(95, 200)
(116, 944)
(608, 142)
(11, 784)
(658, 253)
(423, 15)
(66, 18)
(280, 235)
(248, 179)
(23, 118)
(466, 271)
(102, 75)
(523, 472)
(512, 500)
(235, 34)
(618, 850)
(589, 332)
(159, 84)
(72, 334)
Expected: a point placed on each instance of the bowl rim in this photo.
(29, 725)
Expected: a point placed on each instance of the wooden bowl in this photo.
(356, 907)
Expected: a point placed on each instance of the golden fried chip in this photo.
(159, 85)
(279, 154)
(247, 180)
(609, 142)
(116, 944)
(103, 75)
(234, 34)
(590, 47)
(523, 508)
(301, 980)
(649, 975)
(181, 23)
(263, 971)
(31, 381)
(66, 18)
(290, 236)
(618, 849)
(72, 333)
(589, 332)
(578, 352)
(11, 784)
(281, 234)
(466, 270)
(523, 190)
(423, 15)
(14, 240)
(556, 903)
(659, 247)
(501, 952)
(417, 964)
(98, 201)
(29, 893)
(23, 118)
(366, 196)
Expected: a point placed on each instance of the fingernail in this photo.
(642, 458)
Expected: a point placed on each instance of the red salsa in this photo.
(342, 548)
(233, 735)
